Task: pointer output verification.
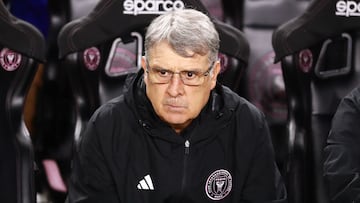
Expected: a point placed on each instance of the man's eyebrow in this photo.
(160, 67)
(192, 70)
(156, 66)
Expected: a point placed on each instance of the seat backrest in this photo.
(22, 47)
(264, 84)
(99, 63)
(318, 53)
(232, 68)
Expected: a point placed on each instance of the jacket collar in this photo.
(214, 116)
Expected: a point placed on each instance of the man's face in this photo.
(175, 102)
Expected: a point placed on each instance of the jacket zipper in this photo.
(186, 155)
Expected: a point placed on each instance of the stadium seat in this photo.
(99, 63)
(263, 82)
(233, 76)
(54, 110)
(22, 49)
(318, 54)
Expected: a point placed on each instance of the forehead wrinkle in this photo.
(163, 58)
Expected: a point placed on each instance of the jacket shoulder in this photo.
(109, 109)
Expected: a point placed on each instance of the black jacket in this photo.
(342, 152)
(128, 155)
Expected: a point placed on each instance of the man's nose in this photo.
(176, 85)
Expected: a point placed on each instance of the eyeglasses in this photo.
(190, 78)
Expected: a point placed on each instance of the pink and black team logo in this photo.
(9, 59)
(305, 60)
(218, 185)
(92, 58)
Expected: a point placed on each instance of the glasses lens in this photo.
(189, 78)
(159, 76)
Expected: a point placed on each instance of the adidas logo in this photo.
(146, 183)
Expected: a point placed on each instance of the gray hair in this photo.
(187, 31)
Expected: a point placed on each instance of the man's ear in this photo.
(143, 66)
(215, 73)
(143, 63)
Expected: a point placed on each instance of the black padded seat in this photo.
(75, 36)
(86, 44)
(317, 51)
(264, 78)
(53, 112)
(100, 23)
(22, 48)
(21, 36)
(321, 20)
(264, 84)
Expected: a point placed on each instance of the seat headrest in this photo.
(321, 20)
(21, 36)
(233, 42)
(114, 18)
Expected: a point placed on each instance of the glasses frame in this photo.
(201, 75)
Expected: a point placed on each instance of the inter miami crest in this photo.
(92, 58)
(9, 60)
(218, 185)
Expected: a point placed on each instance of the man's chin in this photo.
(176, 119)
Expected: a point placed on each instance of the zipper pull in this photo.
(187, 146)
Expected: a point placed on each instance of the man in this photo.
(176, 135)
(342, 152)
